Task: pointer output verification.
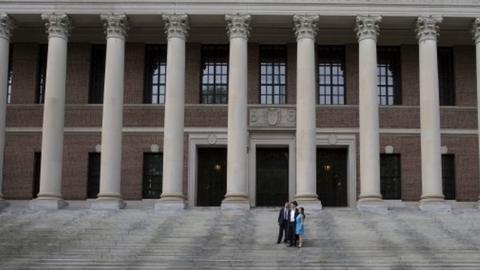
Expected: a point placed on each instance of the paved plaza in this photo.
(207, 238)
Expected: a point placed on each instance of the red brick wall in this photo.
(78, 73)
(24, 66)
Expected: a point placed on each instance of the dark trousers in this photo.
(291, 233)
(282, 230)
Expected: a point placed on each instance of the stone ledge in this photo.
(107, 204)
(47, 204)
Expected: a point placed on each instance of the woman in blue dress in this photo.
(299, 220)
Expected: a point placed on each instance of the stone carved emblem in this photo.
(272, 117)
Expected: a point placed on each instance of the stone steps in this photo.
(211, 239)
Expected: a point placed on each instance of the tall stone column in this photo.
(6, 26)
(110, 197)
(176, 27)
(305, 27)
(237, 193)
(432, 194)
(370, 199)
(476, 37)
(50, 195)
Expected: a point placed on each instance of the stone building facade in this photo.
(240, 104)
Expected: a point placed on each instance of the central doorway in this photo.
(272, 176)
(212, 176)
(332, 176)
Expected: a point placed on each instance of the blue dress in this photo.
(299, 225)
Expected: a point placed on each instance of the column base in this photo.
(47, 204)
(372, 205)
(108, 204)
(236, 202)
(434, 205)
(3, 204)
(309, 202)
(170, 204)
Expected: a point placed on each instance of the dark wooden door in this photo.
(272, 176)
(152, 175)
(211, 176)
(93, 183)
(332, 176)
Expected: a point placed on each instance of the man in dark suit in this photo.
(283, 223)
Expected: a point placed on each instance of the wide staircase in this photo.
(207, 238)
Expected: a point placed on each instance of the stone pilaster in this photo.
(6, 27)
(50, 195)
(176, 28)
(367, 29)
(116, 27)
(476, 38)
(432, 194)
(237, 178)
(305, 27)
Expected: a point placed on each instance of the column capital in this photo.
(367, 27)
(305, 26)
(6, 26)
(427, 27)
(476, 30)
(115, 24)
(176, 25)
(238, 25)
(57, 24)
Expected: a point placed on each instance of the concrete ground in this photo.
(207, 238)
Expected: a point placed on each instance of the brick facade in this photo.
(23, 113)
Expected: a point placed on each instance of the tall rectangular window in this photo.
(10, 76)
(448, 176)
(155, 74)
(152, 175)
(93, 181)
(37, 160)
(41, 73)
(388, 75)
(214, 74)
(273, 74)
(390, 175)
(97, 73)
(446, 83)
(331, 75)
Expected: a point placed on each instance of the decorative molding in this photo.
(427, 27)
(176, 25)
(444, 149)
(57, 25)
(305, 26)
(389, 149)
(367, 27)
(238, 25)
(116, 25)
(272, 117)
(476, 30)
(6, 26)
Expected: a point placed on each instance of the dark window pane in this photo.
(93, 183)
(273, 61)
(390, 175)
(37, 157)
(446, 83)
(155, 74)
(215, 74)
(152, 175)
(331, 66)
(388, 75)
(448, 176)
(42, 73)
(97, 74)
